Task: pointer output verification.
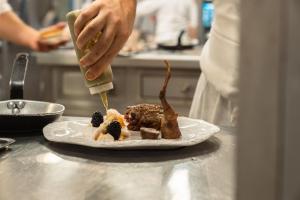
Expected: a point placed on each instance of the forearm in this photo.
(15, 30)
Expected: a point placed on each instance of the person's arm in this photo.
(114, 18)
(15, 30)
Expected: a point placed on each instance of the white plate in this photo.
(81, 133)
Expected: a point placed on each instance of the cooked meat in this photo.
(143, 115)
(149, 133)
(162, 118)
(169, 124)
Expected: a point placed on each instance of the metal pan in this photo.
(19, 115)
(178, 46)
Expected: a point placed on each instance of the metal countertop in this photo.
(34, 168)
(152, 58)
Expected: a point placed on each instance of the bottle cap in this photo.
(97, 89)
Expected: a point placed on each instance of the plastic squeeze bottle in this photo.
(104, 82)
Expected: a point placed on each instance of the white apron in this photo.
(215, 99)
(4, 6)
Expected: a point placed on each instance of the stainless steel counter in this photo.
(183, 59)
(37, 169)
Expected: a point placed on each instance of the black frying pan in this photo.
(18, 115)
(178, 46)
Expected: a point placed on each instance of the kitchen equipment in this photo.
(5, 142)
(19, 115)
(180, 44)
(80, 132)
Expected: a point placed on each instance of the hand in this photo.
(49, 38)
(114, 19)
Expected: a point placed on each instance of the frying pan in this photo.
(19, 115)
(178, 46)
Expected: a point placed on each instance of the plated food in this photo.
(110, 127)
(79, 131)
(152, 121)
(54, 35)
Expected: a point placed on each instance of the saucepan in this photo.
(19, 115)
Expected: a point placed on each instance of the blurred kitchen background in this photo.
(138, 70)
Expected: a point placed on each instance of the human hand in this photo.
(114, 19)
(50, 38)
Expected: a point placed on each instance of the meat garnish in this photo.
(149, 133)
(154, 118)
(143, 115)
(169, 125)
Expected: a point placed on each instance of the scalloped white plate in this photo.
(81, 133)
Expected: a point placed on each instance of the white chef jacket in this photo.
(4, 6)
(216, 96)
(172, 16)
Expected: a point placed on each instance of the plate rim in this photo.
(132, 144)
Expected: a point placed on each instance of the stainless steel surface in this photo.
(36, 169)
(5, 142)
(188, 59)
(30, 108)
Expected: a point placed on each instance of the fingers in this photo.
(44, 46)
(114, 20)
(90, 30)
(54, 29)
(98, 68)
(114, 49)
(84, 17)
(60, 25)
(104, 42)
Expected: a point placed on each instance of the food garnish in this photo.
(151, 120)
(114, 128)
(149, 133)
(97, 119)
(113, 124)
(169, 124)
(143, 115)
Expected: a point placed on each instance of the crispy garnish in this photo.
(169, 124)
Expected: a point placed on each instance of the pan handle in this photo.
(179, 40)
(18, 75)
